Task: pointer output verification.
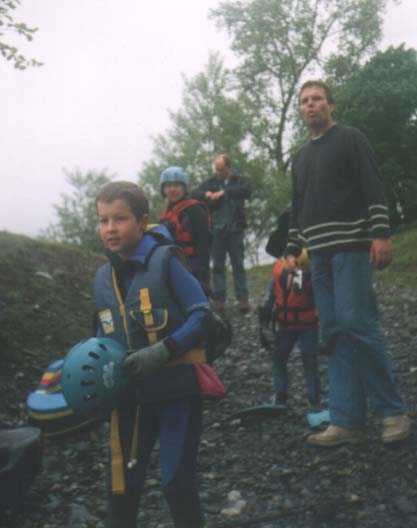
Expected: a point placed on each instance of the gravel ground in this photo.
(253, 473)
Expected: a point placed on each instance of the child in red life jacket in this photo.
(289, 303)
(188, 222)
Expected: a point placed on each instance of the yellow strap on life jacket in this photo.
(117, 474)
(145, 307)
(197, 355)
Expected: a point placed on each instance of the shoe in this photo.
(279, 400)
(396, 428)
(244, 306)
(218, 305)
(335, 435)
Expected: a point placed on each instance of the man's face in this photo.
(119, 228)
(221, 170)
(315, 110)
(173, 191)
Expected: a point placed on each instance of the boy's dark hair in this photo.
(320, 84)
(131, 193)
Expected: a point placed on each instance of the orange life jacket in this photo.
(171, 219)
(294, 311)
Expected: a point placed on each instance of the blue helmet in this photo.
(92, 380)
(173, 174)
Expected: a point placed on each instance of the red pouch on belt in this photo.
(210, 385)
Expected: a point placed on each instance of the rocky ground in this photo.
(255, 473)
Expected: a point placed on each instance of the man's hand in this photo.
(214, 195)
(141, 362)
(381, 252)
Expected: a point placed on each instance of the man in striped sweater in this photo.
(339, 214)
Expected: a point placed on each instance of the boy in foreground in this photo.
(147, 300)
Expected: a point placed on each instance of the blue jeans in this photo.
(284, 344)
(230, 242)
(359, 366)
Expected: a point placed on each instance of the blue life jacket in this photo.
(123, 320)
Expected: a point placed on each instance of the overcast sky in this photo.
(112, 69)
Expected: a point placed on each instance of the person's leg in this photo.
(236, 251)
(359, 318)
(332, 281)
(309, 344)
(218, 256)
(122, 509)
(284, 343)
(180, 437)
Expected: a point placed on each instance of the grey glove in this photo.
(141, 362)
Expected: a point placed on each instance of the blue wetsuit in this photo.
(170, 407)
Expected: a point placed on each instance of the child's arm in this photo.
(193, 301)
(191, 298)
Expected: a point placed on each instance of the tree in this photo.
(281, 41)
(10, 27)
(77, 216)
(381, 100)
(212, 120)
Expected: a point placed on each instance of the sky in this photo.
(112, 71)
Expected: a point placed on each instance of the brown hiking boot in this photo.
(396, 428)
(244, 306)
(335, 435)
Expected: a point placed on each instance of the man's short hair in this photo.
(320, 84)
(131, 193)
(226, 159)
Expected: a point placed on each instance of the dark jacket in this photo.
(338, 200)
(228, 212)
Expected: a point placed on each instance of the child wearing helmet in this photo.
(148, 301)
(288, 305)
(188, 222)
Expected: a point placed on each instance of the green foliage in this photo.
(209, 122)
(405, 255)
(212, 120)
(281, 41)
(381, 100)
(7, 26)
(77, 216)
(251, 113)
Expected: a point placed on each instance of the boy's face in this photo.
(174, 191)
(119, 228)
